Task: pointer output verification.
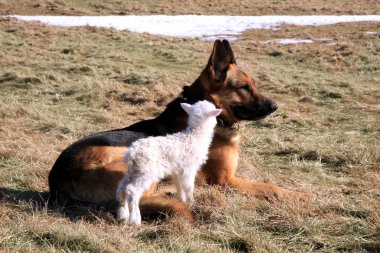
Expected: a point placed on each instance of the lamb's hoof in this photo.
(122, 217)
(135, 223)
(122, 221)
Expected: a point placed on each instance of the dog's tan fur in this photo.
(90, 169)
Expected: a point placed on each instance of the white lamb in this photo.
(178, 155)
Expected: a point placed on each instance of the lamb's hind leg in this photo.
(134, 191)
(121, 197)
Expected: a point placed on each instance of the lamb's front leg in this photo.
(180, 190)
(189, 191)
(189, 188)
(185, 187)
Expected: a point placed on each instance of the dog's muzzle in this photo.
(255, 111)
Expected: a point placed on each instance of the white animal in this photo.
(178, 155)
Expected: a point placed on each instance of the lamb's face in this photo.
(201, 112)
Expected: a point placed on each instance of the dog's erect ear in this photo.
(221, 57)
(186, 107)
(229, 51)
(214, 113)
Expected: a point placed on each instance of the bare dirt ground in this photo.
(59, 84)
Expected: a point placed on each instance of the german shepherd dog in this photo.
(90, 169)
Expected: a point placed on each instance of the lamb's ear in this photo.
(221, 57)
(186, 107)
(214, 113)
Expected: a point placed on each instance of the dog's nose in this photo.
(273, 106)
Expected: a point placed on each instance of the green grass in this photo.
(57, 85)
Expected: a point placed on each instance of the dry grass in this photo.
(57, 85)
(234, 7)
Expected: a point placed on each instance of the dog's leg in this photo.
(266, 190)
(220, 170)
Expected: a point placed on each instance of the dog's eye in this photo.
(245, 87)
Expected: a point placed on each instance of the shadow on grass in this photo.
(71, 209)
(41, 202)
(29, 201)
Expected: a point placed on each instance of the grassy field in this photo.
(57, 85)
(230, 7)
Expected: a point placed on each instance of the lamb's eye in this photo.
(245, 87)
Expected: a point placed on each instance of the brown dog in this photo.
(89, 170)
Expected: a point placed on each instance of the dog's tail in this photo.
(159, 206)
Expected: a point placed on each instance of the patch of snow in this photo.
(332, 44)
(323, 39)
(194, 26)
(289, 41)
(371, 33)
(221, 37)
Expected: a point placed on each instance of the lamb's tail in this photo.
(159, 206)
(127, 155)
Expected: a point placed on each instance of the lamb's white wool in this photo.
(179, 155)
